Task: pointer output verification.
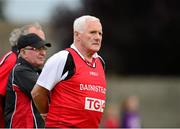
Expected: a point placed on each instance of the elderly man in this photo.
(20, 111)
(8, 61)
(76, 79)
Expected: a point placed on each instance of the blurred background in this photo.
(140, 47)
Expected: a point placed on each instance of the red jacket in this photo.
(7, 62)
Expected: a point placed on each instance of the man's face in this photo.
(91, 37)
(34, 56)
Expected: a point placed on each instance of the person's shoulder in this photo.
(102, 60)
(19, 67)
(57, 58)
(59, 55)
(12, 58)
(9, 57)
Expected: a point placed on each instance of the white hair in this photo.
(16, 33)
(79, 23)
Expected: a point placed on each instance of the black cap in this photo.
(32, 40)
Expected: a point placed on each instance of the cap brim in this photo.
(48, 44)
(40, 44)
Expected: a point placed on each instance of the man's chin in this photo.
(96, 49)
(40, 64)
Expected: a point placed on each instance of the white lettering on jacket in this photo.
(94, 88)
(94, 104)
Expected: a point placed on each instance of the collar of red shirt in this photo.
(92, 64)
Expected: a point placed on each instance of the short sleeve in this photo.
(52, 71)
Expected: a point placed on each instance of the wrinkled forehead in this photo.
(93, 25)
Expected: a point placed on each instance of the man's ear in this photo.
(76, 35)
(22, 52)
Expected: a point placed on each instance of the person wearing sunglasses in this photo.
(8, 60)
(20, 111)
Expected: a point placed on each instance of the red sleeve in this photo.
(6, 64)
